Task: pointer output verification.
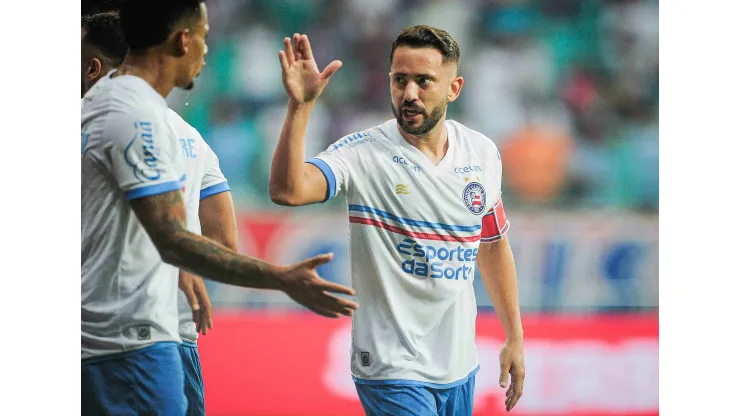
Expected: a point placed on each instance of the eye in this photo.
(424, 81)
(399, 80)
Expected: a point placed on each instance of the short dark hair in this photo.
(104, 38)
(423, 36)
(90, 7)
(148, 23)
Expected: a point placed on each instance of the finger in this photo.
(208, 321)
(503, 379)
(324, 312)
(509, 399)
(191, 297)
(335, 288)
(317, 261)
(196, 319)
(517, 383)
(334, 303)
(296, 46)
(283, 61)
(289, 51)
(330, 70)
(299, 50)
(306, 47)
(203, 324)
(512, 400)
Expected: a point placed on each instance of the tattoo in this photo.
(163, 216)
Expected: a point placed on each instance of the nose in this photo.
(411, 93)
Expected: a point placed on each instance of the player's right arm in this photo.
(142, 159)
(163, 217)
(293, 181)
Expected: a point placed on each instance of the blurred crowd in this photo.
(568, 89)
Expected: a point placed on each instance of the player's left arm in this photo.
(495, 262)
(498, 272)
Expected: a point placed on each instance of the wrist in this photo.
(297, 106)
(515, 337)
(276, 277)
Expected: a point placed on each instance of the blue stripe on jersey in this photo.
(331, 181)
(418, 223)
(417, 383)
(150, 190)
(214, 189)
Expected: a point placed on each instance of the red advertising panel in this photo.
(297, 364)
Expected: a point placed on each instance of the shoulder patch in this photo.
(352, 140)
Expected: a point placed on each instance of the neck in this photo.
(433, 144)
(152, 67)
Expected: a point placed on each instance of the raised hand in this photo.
(303, 285)
(301, 77)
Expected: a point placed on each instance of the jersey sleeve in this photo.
(143, 157)
(214, 182)
(495, 223)
(334, 163)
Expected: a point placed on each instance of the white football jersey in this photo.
(415, 229)
(129, 151)
(204, 179)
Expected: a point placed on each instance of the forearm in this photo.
(287, 170)
(498, 271)
(203, 257)
(163, 217)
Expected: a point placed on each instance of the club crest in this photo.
(474, 197)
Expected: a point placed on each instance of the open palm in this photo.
(301, 77)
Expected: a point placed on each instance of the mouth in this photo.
(409, 114)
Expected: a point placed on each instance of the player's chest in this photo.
(457, 189)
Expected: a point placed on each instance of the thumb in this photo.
(317, 261)
(503, 380)
(330, 70)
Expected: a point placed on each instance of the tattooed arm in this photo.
(163, 217)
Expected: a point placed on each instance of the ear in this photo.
(455, 87)
(94, 70)
(182, 42)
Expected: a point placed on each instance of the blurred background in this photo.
(567, 89)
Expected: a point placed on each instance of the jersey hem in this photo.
(214, 189)
(400, 382)
(331, 180)
(189, 344)
(126, 354)
(150, 190)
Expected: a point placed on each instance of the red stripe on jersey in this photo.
(421, 236)
(495, 224)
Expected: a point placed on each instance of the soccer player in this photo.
(207, 198)
(424, 202)
(134, 234)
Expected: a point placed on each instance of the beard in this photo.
(429, 120)
(191, 84)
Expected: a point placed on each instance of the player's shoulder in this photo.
(473, 141)
(366, 141)
(182, 127)
(128, 94)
